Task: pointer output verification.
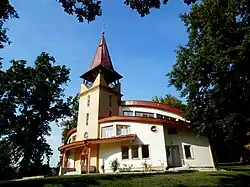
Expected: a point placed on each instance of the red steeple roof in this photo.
(102, 57)
(101, 63)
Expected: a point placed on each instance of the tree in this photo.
(82, 9)
(71, 120)
(212, 70)
(7, 170)
(6, 12)
(170, 100)
(31, 98)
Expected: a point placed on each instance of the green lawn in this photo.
(220, 178)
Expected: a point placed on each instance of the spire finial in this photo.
(103, 24)
(103, 28)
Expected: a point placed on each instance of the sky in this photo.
(142, 49)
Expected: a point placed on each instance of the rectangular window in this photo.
(135, 151)
(144, 114)
(122, 130)
(110, 113)
(88, 101)
(172, 130)
(187, 149)
(110, 100)
(145, 151)
(107, 132)
(165, 117)
(87, 119)
(127, 113)
(125, 152)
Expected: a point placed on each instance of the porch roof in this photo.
(96, 141)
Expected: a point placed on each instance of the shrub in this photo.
(147, 167)
(114, 164)
(126, 168)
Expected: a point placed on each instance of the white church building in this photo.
(133, 132)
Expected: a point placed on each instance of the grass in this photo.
(237, 176)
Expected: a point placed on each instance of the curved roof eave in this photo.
(151, 104)
(170, 123)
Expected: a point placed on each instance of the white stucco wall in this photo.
(200, 149)
(150, 110)
(156, 142)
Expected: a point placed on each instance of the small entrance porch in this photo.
(79, 158)
(82, 157)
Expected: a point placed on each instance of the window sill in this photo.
(146, 158)
(190, 158)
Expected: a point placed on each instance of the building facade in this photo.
(133, 132)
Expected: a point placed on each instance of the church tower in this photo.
(100, 93)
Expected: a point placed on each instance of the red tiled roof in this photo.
(71, 131)
(155, 105)
(97, 141)
(169, 123)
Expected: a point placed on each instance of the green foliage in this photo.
(146, 166)
(71, 120)
(114, 164)
(30, 99)
(126, 168)
(170, 100)
(6, 12)
(212, 70)
(228, 178)
(7, 170)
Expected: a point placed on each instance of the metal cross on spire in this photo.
(103, 25)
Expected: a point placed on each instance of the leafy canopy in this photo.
(70, 121)
(212, 70)
(170, 100)
(30, 99)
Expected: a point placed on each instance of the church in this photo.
(137, 134)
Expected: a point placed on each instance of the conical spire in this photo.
(101, 63)
(102, 57)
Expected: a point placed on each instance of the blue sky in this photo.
(141, 49)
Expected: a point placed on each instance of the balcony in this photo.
(115, 131)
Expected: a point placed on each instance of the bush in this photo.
(126, 168)
(147, 167)
(115, 165)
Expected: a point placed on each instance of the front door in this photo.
(173, 156)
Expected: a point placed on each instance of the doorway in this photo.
(173, 156)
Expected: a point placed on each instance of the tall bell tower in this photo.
(100, 93)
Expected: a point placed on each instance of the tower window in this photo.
(88, 101)
(87, 119)
(110, 100)
(110, 113)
